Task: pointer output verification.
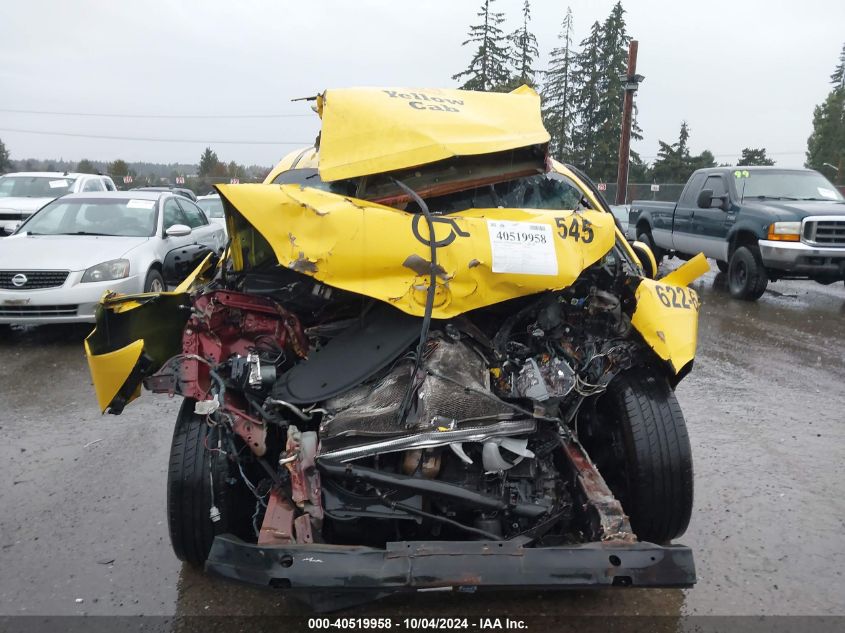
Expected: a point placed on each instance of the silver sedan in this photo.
(60, 262)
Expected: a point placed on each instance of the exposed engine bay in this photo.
(358, 430)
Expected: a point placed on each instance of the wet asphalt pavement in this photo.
(82, 496)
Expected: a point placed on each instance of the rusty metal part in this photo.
(306, 492)
(302, 525)
(277, 527)
(608, 520)
(252, 431)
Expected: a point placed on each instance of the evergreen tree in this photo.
(558, 88)
(674, 164)
(488, 69)
(524, 51)
(754, 157)
(638, 171)
(613, 60)
(85, 166)
(5, 163)
(703, 161)
(208, 162)
(233, 170)
(827, 142)
(838, 76)
(117, 170)
(588, 82)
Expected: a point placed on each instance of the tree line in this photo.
(200, 177)
(582, 90)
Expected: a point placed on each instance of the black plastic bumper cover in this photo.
(408, 566)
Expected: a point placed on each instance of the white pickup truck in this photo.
(23, 193)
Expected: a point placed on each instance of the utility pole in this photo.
(632, 82)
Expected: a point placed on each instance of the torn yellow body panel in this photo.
(667, 313)
(385, 253)
(110, 370)
(371, 131)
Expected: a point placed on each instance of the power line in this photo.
(156, 140)
(159, 116)
(718, 154)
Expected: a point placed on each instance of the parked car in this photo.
(213, 207)
(457, 375)
(57, 265)
(760, 224)
(23, 193)
(182, 191)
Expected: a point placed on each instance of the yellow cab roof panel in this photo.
(376, 130)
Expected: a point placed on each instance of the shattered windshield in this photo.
(543, 191)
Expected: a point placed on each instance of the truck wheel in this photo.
(638, 440)
(189, 490)
(747, 277)
(646, 238)
(722, 266)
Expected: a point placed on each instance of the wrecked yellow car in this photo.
(427, 359)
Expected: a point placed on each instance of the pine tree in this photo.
(674, 164)
(5, 163)
(488, 69)
(613, 64)
(838, 76)
(85, 166)
(524, 51)
(208, 162)
(827, 142)
(117, 170)
(754, 157)
(826, 145)
(558, 88)
(586, 97)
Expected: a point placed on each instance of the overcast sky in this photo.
(740, 73)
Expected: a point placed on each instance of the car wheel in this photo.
(646, 238)
(194, 465)
(722, 266)
(154, 282)
(747, 277)
(638, 439)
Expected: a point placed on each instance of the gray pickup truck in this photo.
(760, 224)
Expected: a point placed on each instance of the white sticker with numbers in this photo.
(525, 248)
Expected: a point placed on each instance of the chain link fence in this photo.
(663, 192)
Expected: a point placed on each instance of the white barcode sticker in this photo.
(525, 248)
(55, 184)
(140, 204)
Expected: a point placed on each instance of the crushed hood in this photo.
(385, 253)
(376, 130)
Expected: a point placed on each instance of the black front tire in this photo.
(747, 278)
(639, 442)
(154, 282)
(189, 489)
(646, 238)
